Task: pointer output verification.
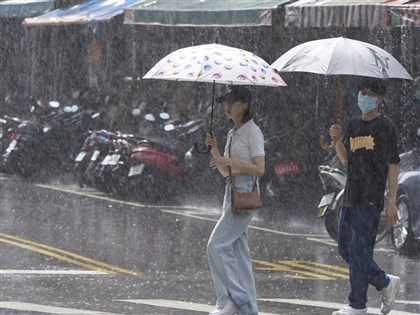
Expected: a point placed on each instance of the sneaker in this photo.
(389, 293)
(348, 310)
(229, 309)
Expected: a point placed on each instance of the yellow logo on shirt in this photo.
(366, 142)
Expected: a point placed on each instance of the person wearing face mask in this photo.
(227, 249)
(369, 149)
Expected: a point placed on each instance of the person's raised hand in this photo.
(335, 132)
(211, 140)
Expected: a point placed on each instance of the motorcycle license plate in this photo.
(325, 202)
(114, 159)
(95, 155)
(80, 156)
(106, 160)
(136, 170)
(11, 146)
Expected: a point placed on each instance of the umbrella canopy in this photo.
(341, 56)
(215, 63)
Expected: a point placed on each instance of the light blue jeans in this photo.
(229, 256)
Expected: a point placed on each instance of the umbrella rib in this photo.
(330, 59)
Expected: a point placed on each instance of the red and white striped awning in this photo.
(405, 15)
(338, 13)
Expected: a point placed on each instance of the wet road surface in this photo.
(66, 250)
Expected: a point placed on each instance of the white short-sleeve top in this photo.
(247, 142)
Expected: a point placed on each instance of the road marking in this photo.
(407, 302)
(327, 241)
(160, 207)
(331, 305)
(31, 307)
(107, 198)
(180, 305)
(50, 272)
(64, 255)
(307, 270)
(251, 226)
(309, 237)
(385, 250)
(331, 242)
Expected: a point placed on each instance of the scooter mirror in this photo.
(150, 117)
(54, 104)
(164, 116)
(136, 112)
(75, 94)
(169, 127)
(194, 125)
(194, 129)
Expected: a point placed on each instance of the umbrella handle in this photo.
(202, 149)
(325, 146)
(337, 115)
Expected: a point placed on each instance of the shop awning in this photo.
(25, 8)
(405, 15)
(338, 13)
(98, 10)
(203, 12)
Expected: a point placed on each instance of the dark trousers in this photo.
(357, 230)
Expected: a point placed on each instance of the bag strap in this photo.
(230, 168)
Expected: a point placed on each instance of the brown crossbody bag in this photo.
(244, 202)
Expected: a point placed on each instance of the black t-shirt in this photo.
(371, 146)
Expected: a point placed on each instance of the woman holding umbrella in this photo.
(228, 252)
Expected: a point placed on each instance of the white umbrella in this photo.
(215, 63)
(341, 56)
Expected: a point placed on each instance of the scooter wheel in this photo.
(331, 223)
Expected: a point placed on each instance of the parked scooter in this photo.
(115, 163)
(333, 181)
(8, 126)
(405, 234)
(168, 166)
(281, 178)
(102, 161)
(49, 142)
(118, 162)
(95, 145)
(26, 152)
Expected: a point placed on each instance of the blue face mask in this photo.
(366, 103)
